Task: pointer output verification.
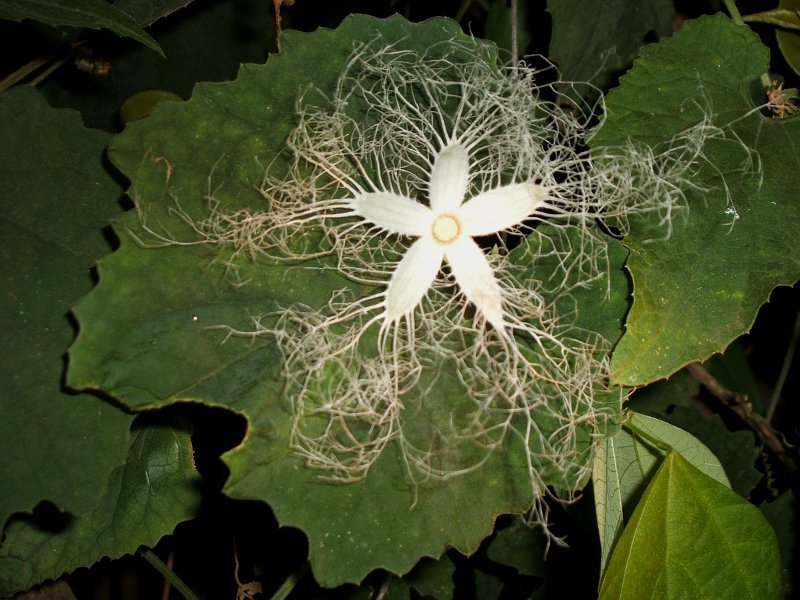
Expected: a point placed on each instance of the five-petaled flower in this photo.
(444, 231)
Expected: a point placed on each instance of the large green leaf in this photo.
(156, 347)
(691, 537)
(71, 449)
(55, 198)
(142, 500)
(697, 291)
(90, 14)
(592, 44)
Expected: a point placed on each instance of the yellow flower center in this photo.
(446, 228)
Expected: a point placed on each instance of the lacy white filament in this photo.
(400, 176)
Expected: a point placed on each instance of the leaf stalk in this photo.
(168, 574)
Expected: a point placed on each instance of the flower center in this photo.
(446, 228)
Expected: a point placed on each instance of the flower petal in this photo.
(501, 208)
(474, 276)
(413, 277)
(449, 179)
(393, 213)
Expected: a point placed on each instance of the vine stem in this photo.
(384, 589)
(740, 405)
(168, 574)
(733, 11)
(514, 33)
(462, 10)
(287, 586)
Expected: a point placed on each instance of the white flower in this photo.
(444, 231)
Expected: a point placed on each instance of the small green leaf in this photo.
(488, 586)
(143, 500)
(736, 240)
(736, 450)
(779, 17)
(90, 14)
(688, 446)
(430, 577)
(520, 546)
(691, 537)
(607, 495)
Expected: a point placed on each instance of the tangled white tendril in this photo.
(458, 350)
